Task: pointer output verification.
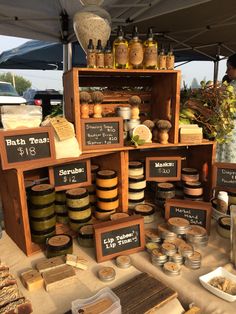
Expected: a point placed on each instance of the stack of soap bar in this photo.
(50, 263)
(190, 134)
(32, 279)
(76, 261)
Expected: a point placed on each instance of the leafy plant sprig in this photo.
(136, 141)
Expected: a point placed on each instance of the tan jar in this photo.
(106, 178)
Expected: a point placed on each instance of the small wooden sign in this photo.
(21, 147)
(124, 236)
(72, 175)
(224, 176)
(102, 133)
(197, 213)
(162, 169)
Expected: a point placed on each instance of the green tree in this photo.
(195, 83)
(21, 83)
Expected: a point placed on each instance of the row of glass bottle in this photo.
(132, 55)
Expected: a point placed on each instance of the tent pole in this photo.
(67, 57)
(216, 65)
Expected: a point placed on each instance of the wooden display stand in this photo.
(160, 98)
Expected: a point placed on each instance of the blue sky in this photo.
(53, 79)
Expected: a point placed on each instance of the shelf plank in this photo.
(90, 71)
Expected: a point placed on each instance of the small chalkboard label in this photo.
(21, 147)
(102, 133)
(224, 176)
(197, 213)
(70, 175)
(124, 236)
(161, 169)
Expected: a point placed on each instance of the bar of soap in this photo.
(32, 280)
(76, 261)
(4, 271)
(20, 306)
(59, 277)
(7, 281)
(9, 294)
(50, 263)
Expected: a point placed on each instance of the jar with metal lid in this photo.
(60, 244)
(75, 224)
(132, 203)
(108, 204)
(193, 189)
(136, 194)
(137, 182)
(41, 211)
(41, 236)
(79, 213)
(107, 193)
(77, 197)
(165, 190)
(189, 175)
(103, 214)
(118, 216)
(135, 168)
(85, 236)
(145, 210)
(106, 178)
(223, 226)
(42, 194)
(43, 223)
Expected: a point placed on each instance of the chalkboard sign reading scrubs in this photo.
(21, 147)
(124, 236)
(102, 133)
(70, 175)
(162, 169)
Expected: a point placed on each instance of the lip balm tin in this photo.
(42, 194)
(123, 261)
(106, 274)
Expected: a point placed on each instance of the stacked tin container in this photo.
(137, 184)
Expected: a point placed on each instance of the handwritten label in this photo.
(226, 177)
(63, 128)
(194, 216)
(163, 168)
(120, 240)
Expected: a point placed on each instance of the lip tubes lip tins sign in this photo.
(21, 147)
(70, 175)
(114, 238)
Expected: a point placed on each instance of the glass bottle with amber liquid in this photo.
(120, 51)
(150, 51)
(99, 55)
(91, 55)
(162, 59)
(108, 56)
(170, 59)
(135, 51)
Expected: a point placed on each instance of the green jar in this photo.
(42, 224)
(41, 211)
(42, 194)
(76, 224)
(60, 207)
(40, 237)
(85, 236)
(79, 213)
(60, 196)
(62, 218)
(60, 244)
(77, 197)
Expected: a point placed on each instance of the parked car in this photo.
(9, 96)
(46, 98)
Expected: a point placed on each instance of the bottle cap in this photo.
(90, 44)
(120, 32)
(99, 44)
(108, 46)
(135, 31)
(150, 33)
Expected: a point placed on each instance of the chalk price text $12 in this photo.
(28, 151)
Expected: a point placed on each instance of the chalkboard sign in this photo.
(123, 236)
(162, 169)
(197, 213)
(224, 176)
(70, 175)
(21, 147)
(102, 133)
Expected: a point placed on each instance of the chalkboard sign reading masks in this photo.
(162, 169)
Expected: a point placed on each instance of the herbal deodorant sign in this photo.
(21, 147)
(224, 176)
(70, 175)
(101, 133)
(161, 169)
(124, 236)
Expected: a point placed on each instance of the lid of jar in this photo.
(79, 209)
(108, 200)
(117, 216)
(42, 218)
(106, 273)
(106, 174)
(136, 179)
(42, 189)
(86, 231)
(95, 168)
(144, 209)
(165, 186)
(193, 185)
(107, 189)
(136, 190)
(223, 193)
(76, 193)
(224, 222)
(190, 171)
(80, 221)
(44, 232)
(135, 164)
(59, 242)
(35, 207)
